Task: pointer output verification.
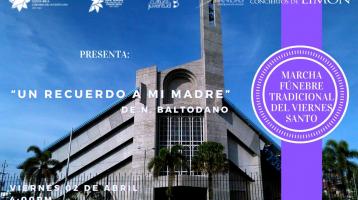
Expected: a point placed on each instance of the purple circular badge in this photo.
(300, 94)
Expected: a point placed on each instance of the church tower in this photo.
(211, 47)
(212, 59)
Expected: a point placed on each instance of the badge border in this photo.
(328, 56)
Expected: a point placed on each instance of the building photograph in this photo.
(117, 143)
(147, 154)
(178, 100)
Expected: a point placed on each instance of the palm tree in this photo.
(71, 196)
(168, 159)
(329, 170)
(40, 168)
(337, 158)
(99, 194)
(210, 159)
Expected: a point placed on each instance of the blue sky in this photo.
(40, 50)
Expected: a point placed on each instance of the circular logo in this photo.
(300, 94)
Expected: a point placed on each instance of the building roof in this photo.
(252, 125)
(77, 131)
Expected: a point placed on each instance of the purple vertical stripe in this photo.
(301, 171)
(301, 163)
(301, 25)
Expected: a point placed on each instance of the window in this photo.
(181, 129)
(211, 12)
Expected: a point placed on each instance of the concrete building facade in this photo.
(116, 142)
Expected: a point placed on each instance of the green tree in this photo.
(329, 171)
(99, 194)
(71, 196)
(40, 168)
(210, 159)
(337, 162)
(168, 159)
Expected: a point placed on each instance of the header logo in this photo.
(96, 5)
(19, 4)
(163, 4)
(37, 4)
(224, 2)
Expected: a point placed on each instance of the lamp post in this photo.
(3, 166)
(144, 162)
(355, 184)
(68, 164)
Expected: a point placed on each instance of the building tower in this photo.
(207, 73)
(212, 58)
(211, 46)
